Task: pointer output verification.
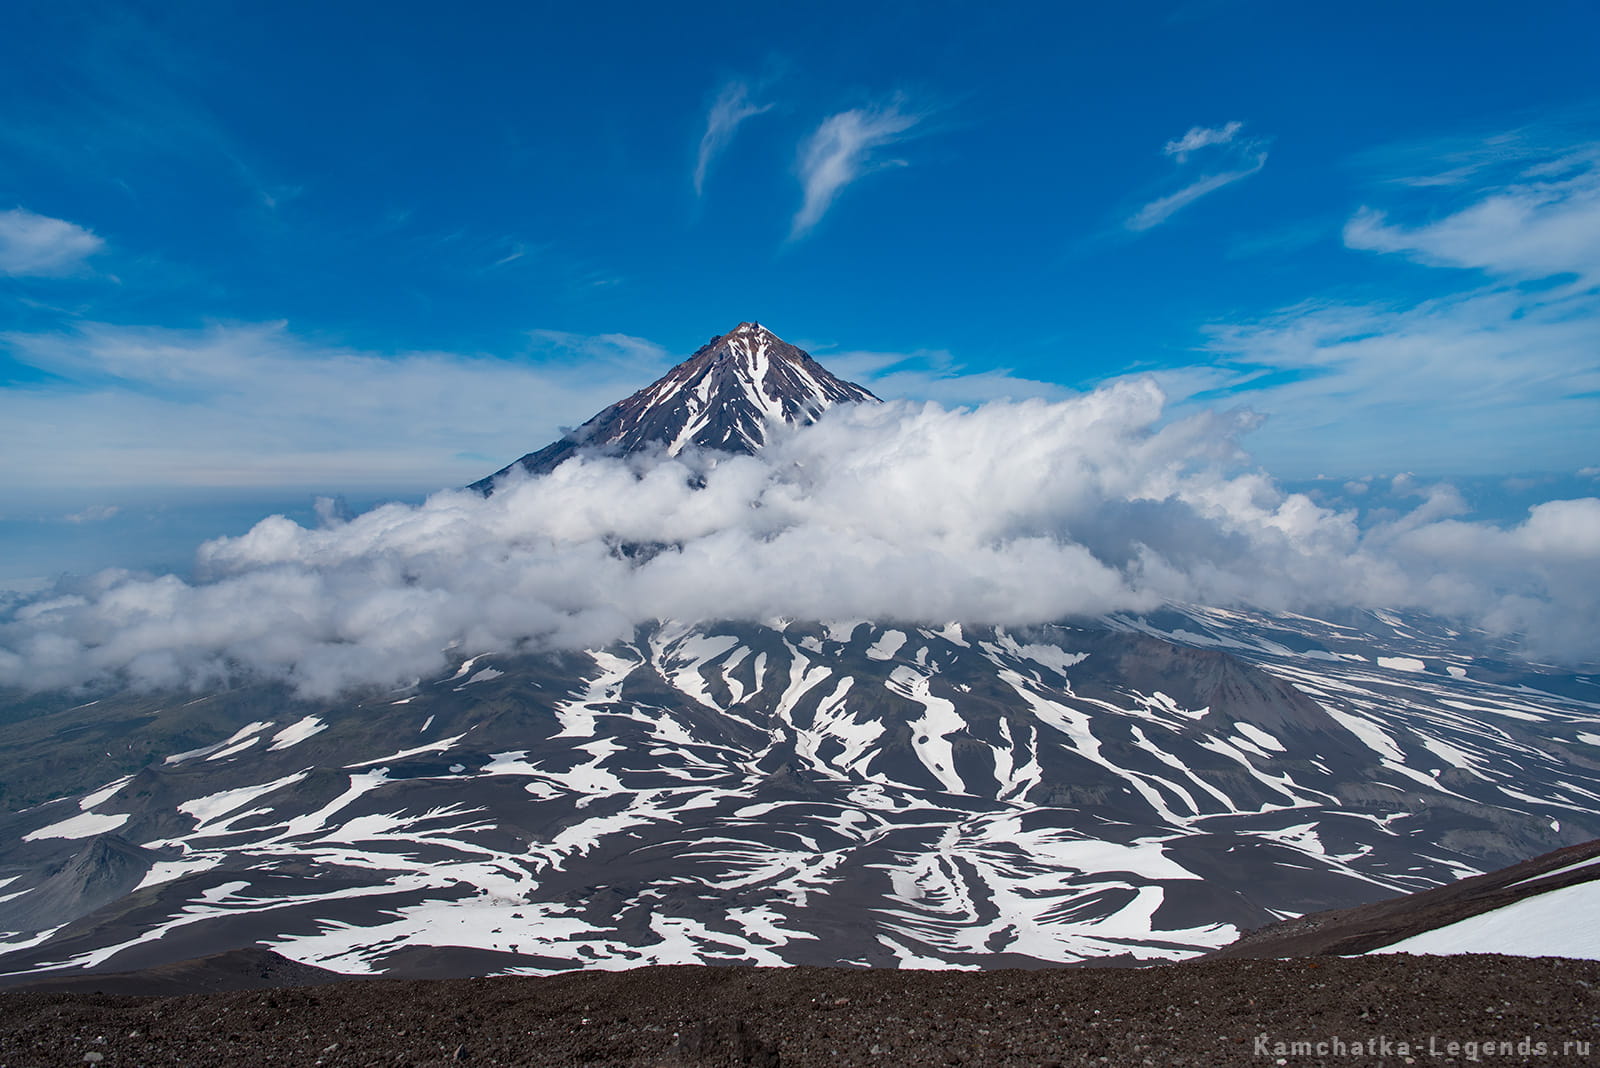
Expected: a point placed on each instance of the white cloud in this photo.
(1160, 210)
(254, 405)
(1200, 137)
(1459, 160)
(1495, 378)
(39, 245)
(1009, 513)
(1490, 381)
(1545, 568)
(95, 513)
(1241, 157)
(1544, 223)
(837, 153)
(731, 108)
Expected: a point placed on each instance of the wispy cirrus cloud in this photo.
(1159, 211)
(841, 150)
(39, 246)
(1545, 221)
(1200, 137)
(127, 104)
(1243, 156)
(731, 108)
(95, 513)
(1466, 161)
(1490, 373)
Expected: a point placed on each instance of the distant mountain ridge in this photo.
(722, 397)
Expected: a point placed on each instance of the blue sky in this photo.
(249, 253)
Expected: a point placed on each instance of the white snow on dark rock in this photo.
(722, 398)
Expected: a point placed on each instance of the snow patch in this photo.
(297, 732)
(432, 747)
(91, 800)
(888, 643)
(167, 870)
(83, 825)
(1559, 923)
(206, 751)
(1260, 737)
(212, 806)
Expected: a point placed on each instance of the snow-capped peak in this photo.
(722, 397)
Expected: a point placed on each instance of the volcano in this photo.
(724, 397)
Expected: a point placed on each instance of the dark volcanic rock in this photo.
(108, 868)
(1384, 1010)
(250, 968)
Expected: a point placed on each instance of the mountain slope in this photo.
(722, 398)
(1543, 906)
(849, 793)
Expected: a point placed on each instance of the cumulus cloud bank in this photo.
(1006, 513)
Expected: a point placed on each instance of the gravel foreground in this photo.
(1329, 1011)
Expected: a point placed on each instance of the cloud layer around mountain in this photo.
(1007, 513)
